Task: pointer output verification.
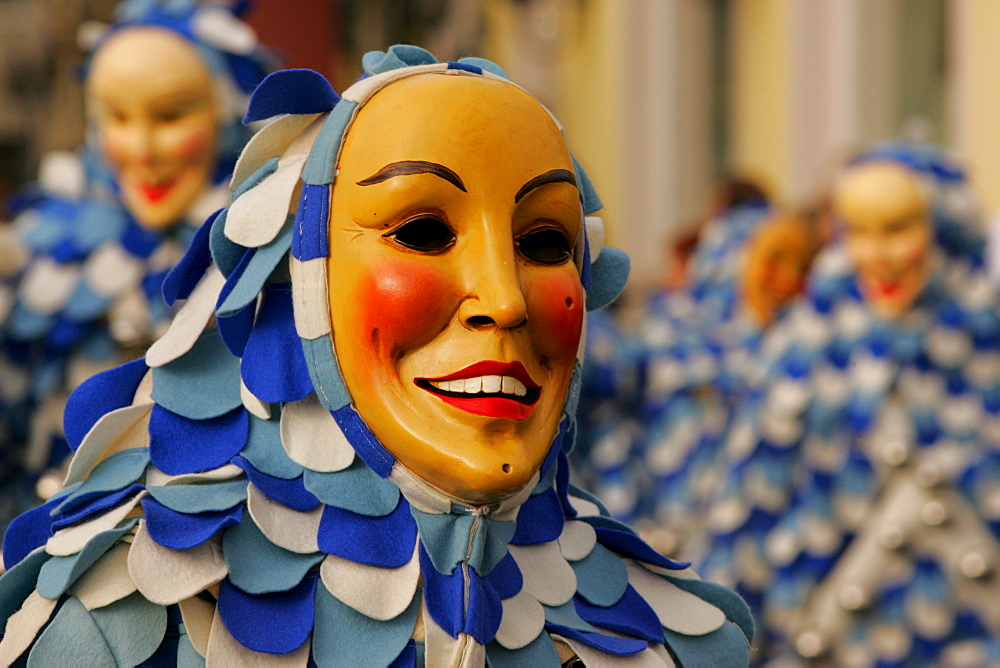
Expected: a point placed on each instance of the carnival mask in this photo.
(777, 261)
(887, 232)
(457, 308)
(153, 102)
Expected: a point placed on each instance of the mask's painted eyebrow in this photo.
(409, 167)
(551, 176)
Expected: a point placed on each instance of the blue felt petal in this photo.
(356, 488)
(265, 452)
(298, 91)
(179, 445)
(631, 615)
(601, 577)
(98, 395)
(361, 437)
(274, 368)
(200, 498)
(506, 578)
(610, 273)
(72, 638)
(566, 615)
(203, 383)
(235, 330)
(363, 539)
(254, 275)
(59, 573)
(258, 566)
(485, 610)
(93, 505)
(339, 628)
(276, 623)
(291, 493)
(444, 595)
(631, 546)
(539, 520)
(114, 473)
(609, 644)
(28, 532)
(180, 531)
(17, 583)
(133, 628)
(310, 239)
(539, 652)
(183, 278)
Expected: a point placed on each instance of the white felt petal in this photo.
(268, 143)
(144, 392)
(255, 218)
(440, 649)
(120, 429)
(290, 529)
(595, 235)
(661, 651)
(677, 609)
(73, 539)
(167, 576)
(547, 575)
(577, 540)
(157, 478)
(47, 285)
(224, 651)
(584, 507)
(312, 438)
(312, 308)
(106, 581)
(189, 322)
(197, 614)
(110, 270)
(523, 619)
(218, 27)
(62, 173)
(23, 626)
(256, 407)
(593, 657)
(379, 593)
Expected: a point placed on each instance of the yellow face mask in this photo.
(153, 101)
(456, 306)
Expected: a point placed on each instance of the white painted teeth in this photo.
(483, 384)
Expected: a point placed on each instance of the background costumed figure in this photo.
(858, 513)
(167, 86)
(364, 462)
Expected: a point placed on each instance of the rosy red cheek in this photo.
(193, 146)
(555, 314)
(403, 305)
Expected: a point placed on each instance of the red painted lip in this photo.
(491, 368)
(491, 406)
(887, 288)
(154, 192)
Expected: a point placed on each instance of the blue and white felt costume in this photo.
(227, 505)
(858, 514)
(88, 294)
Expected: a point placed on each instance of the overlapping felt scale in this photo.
(181, 531)
(98, 395)
(171, 436)
(290, 492)
(356, 488)
(273, 367)
(311, 437)
(338, 626)
(167, 576)
(264, 450)
(379, 593)
(276, 623)
(258, 566)
(182, 386)
(361, 538)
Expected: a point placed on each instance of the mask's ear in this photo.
(609, 272)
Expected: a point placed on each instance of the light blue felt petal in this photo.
(225, 253)
(725, 646)
(203, 383)
(85, 304)
(26, 325)
(396, 57)
(356, 488)
(59, 573)
(325, 373)
(588, 194)
(444, 537)
(610, 273)
(200, 498)
(258, 270)
(258, 566)
(187, 655)
(601, 577)
(72, 640)
(133, 627)
(489, 545)
(339, 628)
(265, 452)
(484, 65)
(114, 473)
(538, 652)
(320, 165)
(17, 583)
(566, 615)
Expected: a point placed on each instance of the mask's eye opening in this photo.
(545, 245)
(425, 233)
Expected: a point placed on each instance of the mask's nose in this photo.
(495, 297)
